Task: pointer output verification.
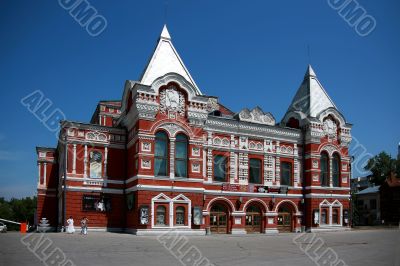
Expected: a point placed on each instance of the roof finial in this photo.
(310, 72)
(165, 33)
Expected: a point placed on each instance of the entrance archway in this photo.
(219, 219)
(253, 219)
(285, 218)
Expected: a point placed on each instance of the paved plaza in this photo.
(361, 247)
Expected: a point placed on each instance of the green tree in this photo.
(19, 210)
(381, 167)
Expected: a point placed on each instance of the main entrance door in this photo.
(284, 220)
(253, 220)
(218, 219)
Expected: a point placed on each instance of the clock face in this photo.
(172, 99)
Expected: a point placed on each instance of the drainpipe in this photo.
(304, 218)
(65, 182)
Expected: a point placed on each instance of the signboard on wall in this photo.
(144, 215)
(197, 215)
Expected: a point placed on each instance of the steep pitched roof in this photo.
(165, 59)
(311, 98)
(369, 190)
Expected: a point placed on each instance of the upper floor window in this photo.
(161, 154)
(255, 171)
(324, 170)
(286, 173)
(95, 164)
(336, 170)
(220, 168)
(181, 152)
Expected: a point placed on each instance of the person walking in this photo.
(84, 223)
(70, 227)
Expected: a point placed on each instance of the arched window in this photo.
(286, 173)
(160, 215)
(95, 164)
(324, 170)
(255, 171)
(161, 154)
(181, 151)
(336, 170)
(180, 215)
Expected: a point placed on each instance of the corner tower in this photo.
(326, 172)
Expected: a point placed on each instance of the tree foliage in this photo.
(381, 167)
(18, 210)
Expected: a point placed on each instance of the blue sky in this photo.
(246, 52)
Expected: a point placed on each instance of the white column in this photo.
(232, 161)
(209, 157)
(209, 165)
(105, 162)
(172, 158)
(85, 163)
(278, 164)
(171, 214)
(44, 173)
(100, 120)
(39, 167)
(330, 173)
(74, 160)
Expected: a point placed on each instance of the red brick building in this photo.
(167, 156)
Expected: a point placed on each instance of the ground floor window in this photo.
(335, 216)
(96, 203)
(161, 215)
(180, 216)
(324, 216)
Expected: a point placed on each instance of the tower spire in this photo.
(165, 33)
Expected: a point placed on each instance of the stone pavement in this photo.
(365, 247)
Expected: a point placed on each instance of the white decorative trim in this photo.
(145, 163)
(196, 151)
(44, 174)
(289, 201)
(328, 188)
(318, 195)
(196, 167)
(146, 146)
(208, 208)
(256, 200)
(165, 199)
(74, 159)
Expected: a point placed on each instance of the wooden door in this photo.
(218, 220)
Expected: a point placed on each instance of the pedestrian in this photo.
(70, 228)
(84, 223)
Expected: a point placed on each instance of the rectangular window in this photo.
(255, 171)
(372, 204)
(286, 173)
(96, 203)
(220, 168)
(181, 151)
(89, 203)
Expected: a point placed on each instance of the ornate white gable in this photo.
(256, 116)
